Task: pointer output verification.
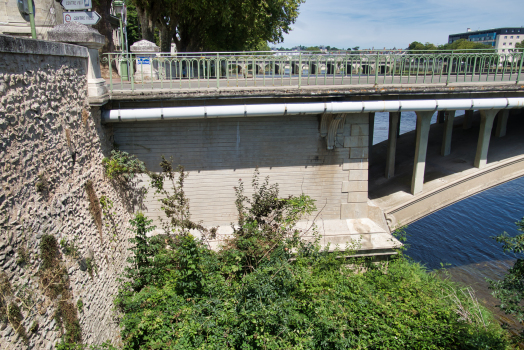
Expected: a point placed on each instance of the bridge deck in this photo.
(447, 179)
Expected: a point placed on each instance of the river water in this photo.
(460, 237)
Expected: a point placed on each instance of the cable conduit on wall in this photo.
(282, 109)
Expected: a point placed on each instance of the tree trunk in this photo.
(147, 25)
(103, 8)
(166, 35)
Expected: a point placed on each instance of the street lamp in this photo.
(119, 8)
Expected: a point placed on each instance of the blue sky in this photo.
(396, 23)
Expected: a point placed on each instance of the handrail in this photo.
(197, 70)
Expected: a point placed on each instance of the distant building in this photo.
(502, 39)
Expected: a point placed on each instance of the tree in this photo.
(134, 33)
(510, 290)
(356, 48)
(213, 25)
(520, 45)
(103, 8)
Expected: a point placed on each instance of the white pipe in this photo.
(280, 109)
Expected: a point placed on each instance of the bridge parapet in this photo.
(219, 70)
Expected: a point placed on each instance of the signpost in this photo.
(84, 17)
(72, 5)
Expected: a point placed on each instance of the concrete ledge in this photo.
(427, 203)
(17, 45)
(385, 92)
(364, 235)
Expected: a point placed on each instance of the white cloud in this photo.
(396, 23)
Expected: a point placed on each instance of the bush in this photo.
(266, 288)
(122, 166)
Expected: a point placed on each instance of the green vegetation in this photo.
(268, 288)
(110, 222)
(69, 248)
(461, 45)
(91, 266)
(54, 282)
(23, 256)
(94, 205)
(122, 166)
(216, 25)
(15, 319)
(34, 327)
(80, 305)
(520, 45)
(510, 290)
(42, 185)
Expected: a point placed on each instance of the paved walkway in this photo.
(447, 179)
(286, 81)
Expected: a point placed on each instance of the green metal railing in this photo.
(297, 69)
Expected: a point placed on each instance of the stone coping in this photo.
(11, 44)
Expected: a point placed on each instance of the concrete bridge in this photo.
(307, 122)
(312, 132)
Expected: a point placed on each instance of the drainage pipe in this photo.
(282, 109)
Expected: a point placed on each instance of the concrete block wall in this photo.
(219, 152)
(355, 184)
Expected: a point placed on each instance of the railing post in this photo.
(217, 71)
(132, 71)
(450, 64)
(520, 68)
(300, 71)
(376, 69)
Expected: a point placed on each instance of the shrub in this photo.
(122, 166)
(266, 288)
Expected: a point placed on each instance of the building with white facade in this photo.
(502, 39)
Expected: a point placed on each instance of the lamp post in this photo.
(119, 8)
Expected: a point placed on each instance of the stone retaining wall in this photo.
(51, 144)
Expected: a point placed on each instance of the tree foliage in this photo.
(213, 25)
(510, 290)
(461, 45)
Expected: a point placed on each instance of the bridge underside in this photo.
(327, 156)
(449, 178)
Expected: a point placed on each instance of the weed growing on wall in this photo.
(23, 256)
(94, 205)
(54, 281)
(268, 288)
(42, 185)
(69, 248)
(110, 222)
(15, 319)
(122, 166)
(5, 293)
(80, 305)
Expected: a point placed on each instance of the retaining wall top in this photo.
(11, 44)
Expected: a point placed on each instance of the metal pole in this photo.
(123, 60)
(32, 18)
(520, 69)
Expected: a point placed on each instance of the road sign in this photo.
(84, 17)
(77, 4)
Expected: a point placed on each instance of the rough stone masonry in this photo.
(51, 145)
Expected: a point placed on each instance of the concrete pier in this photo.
(486, 124)
(423, 123)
